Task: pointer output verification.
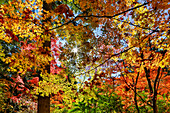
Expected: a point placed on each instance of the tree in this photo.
(138, 49)
(32, 36)
(133, 44)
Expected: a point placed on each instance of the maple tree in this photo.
(32, 60)
(133, 46)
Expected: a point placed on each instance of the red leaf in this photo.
(1, 19)
(35, 81)
(14, 37)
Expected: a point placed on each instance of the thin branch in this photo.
(132, 88)
(107, 60)
(116, 14)
(130, 23)
(100, 16)
(63, 24)
(142, 98)
(97, 17)
(159, 81)
(113, 56)
(147, 70)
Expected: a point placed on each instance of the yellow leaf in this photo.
(49, 1)
(42, 94)
(2, 54)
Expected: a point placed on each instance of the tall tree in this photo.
(44, 101)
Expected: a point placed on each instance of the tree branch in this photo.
(108, 60)
(63, 24)
(97, 17)
(132, 88)
(100, 16)
(113, 56)
(147, 71)
(130, 23)
(116, 14)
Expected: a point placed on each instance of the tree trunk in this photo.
(156, 85)
(44, 102)
(155, 109)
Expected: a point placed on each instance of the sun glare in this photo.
(75, 50)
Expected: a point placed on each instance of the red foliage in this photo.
(11, 34)
(1, 19)
(63, 8)
(34, 81)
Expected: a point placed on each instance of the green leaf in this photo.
(2, 1)
(74, 110)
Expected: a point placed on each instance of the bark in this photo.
(135, 96)
(155, 109)
(44, 102)
(147, 72)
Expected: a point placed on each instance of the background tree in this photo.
(133, 43)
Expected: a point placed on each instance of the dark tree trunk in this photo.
(156, 85)
(135, 96)
(44, 102)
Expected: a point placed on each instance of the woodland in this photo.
(84, 56)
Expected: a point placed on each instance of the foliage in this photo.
(104, 102)
(129, 56)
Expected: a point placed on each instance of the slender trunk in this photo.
(147, 72)
(44, 102)
(135, 98)
(155, 109)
